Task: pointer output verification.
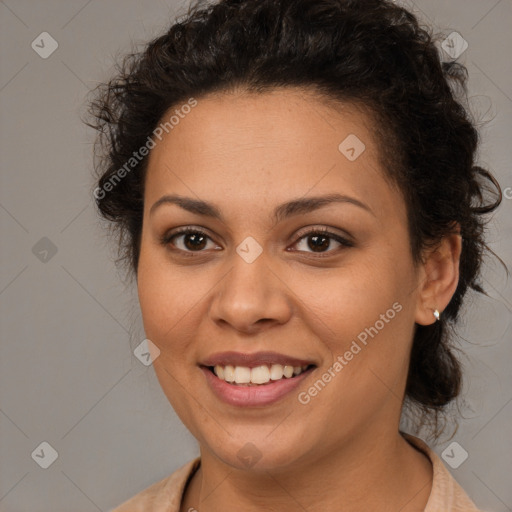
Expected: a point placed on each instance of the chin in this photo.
(257, 450)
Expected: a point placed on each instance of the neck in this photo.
(371, 472)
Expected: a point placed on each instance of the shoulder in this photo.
(164, 495)
(446, 494)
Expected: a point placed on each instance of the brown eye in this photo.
(187, 240)
(194, 241)
(320, 240)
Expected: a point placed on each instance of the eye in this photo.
(319, 240)
(189, 240)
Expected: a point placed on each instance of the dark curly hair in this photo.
(372, 53)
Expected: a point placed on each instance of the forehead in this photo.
(266, 148)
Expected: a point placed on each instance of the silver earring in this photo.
(437, 314)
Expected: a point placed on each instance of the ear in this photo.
(439, 277)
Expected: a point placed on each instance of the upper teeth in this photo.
(257, 375)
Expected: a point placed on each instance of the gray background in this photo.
(68, 324)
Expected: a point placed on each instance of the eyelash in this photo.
(167, 239)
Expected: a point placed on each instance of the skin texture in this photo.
(247, 154)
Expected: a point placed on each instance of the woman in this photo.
(295, 191)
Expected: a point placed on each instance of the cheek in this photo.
(345, 300)
(164, 299)
(167, 307)
(363, 313)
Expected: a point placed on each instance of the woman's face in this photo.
(263, 279)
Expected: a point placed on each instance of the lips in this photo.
(253, 360)
(249, 394)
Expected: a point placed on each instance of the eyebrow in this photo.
(281, 212)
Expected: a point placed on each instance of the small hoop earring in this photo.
(437, 315)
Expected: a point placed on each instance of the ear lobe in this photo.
(440, 277)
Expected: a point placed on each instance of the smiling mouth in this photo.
(258, 375)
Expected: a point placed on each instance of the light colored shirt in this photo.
(166, 495)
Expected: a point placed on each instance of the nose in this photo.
(251, 297)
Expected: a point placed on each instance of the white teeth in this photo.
(260, 375)
(257, 375)
(229, 373)
(288, 371)
(242, 375)
(219, 371)
(276, 372)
